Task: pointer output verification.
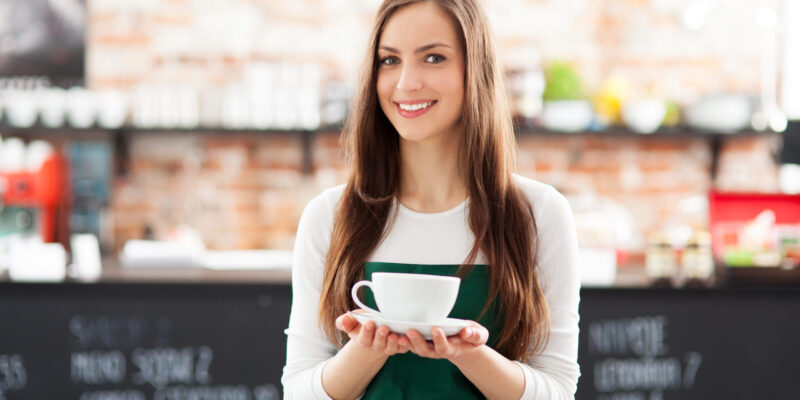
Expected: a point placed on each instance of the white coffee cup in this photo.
(81, 107)
(112, 108)
(53, 107)
(411, 297)
(21, 107)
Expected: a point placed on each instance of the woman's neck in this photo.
(430, 180)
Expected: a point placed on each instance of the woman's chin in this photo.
(414, 136)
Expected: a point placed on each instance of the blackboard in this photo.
(200, 341)
(142, 341)
(648, 344)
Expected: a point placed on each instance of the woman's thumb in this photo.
(346, 322)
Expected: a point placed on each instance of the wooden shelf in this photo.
(120, 135)
(678, 132)
(521, 129)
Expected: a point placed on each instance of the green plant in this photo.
(562, 82)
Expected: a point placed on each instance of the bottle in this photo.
(660, 264)
(697, 261)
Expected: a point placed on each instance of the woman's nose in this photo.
(410, 79)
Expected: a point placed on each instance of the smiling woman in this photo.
(432, 191)
(421, 87)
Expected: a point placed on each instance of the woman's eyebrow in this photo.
(418, 50)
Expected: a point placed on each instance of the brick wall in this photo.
(237, 191)
(208, 42)
(247, 191)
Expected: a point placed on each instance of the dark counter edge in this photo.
(8, 287)
(164, 290)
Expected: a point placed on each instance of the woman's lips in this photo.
(414, 113)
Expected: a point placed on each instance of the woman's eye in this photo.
(434, 58)
(391, 60)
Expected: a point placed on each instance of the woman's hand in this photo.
(378, 340)
(467, 341)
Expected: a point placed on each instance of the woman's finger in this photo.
(367, 333)
(457, 341)
(419, 345)
(346, 323)
(391, 345)
(402, 345)
(474, 335)
(440, 344)
(379, 342)
(481, 335)
(339, 324)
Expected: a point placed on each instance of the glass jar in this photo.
(697, 261)
(660, 264)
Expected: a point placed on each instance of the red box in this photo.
(729, 212)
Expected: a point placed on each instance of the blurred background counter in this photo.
(670, 125)
(163, 151)
(113, 272)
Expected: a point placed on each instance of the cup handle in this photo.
(354, 293)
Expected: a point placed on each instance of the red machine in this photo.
(42, 190)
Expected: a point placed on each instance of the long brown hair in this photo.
(500, 216)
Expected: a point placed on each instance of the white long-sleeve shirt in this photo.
(439, 238)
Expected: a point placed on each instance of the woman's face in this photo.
(421, 72)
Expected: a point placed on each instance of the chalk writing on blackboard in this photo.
(113, 350)
(112, 395)
(182, 392)
(634, 360)
(107, 332)
(98, 367)
(160, 367)
(13, 376)
(117, 332)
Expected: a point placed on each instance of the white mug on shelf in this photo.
(81, 107)
(113, 107)
(167, 106)
(145, 107)
(210, 107)
(37, 152)
(52, 102)
(21, 107)
(188, 107)
(12, 155)
(236, 108)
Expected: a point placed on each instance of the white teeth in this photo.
(415, 107)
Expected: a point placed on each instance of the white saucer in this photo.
(450, 326)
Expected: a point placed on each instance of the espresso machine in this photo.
(32, 202)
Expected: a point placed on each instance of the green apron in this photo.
(409, 376)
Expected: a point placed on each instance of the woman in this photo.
(432, 191)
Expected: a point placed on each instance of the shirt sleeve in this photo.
(554, 373)
(307, 346)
